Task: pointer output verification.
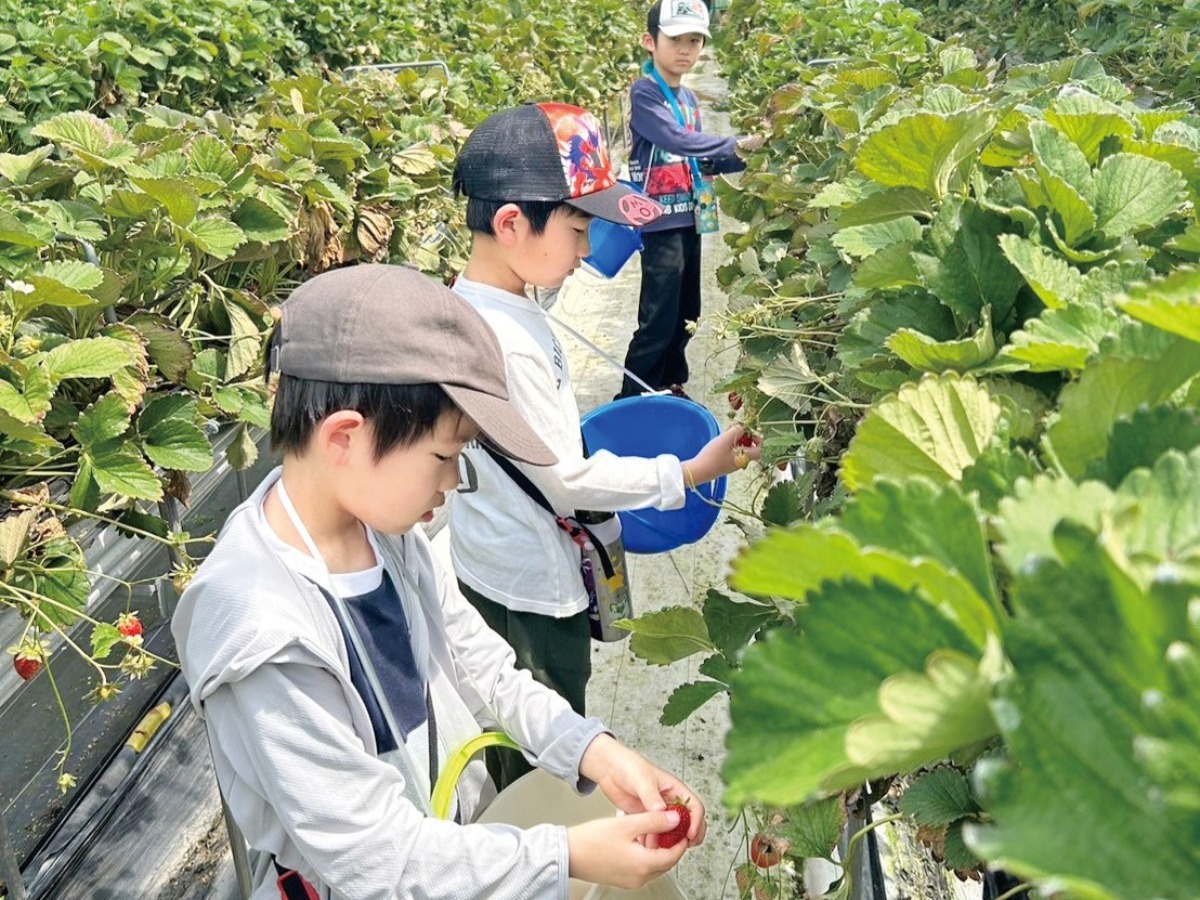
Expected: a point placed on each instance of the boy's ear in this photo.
(506, 223)
(338, 433)
(648, 42)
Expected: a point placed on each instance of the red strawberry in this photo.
(735, 400)
(670, 838)
(26, 666)
(747, 439)
(28, 658)
(129, 625)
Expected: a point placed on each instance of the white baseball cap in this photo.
(678, 17)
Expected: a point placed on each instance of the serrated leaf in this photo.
(85, 493)
(216, 236)
(212, 158)
(934, 428)
(923, 150)
(1050, 276)
(30, 402)
(82, 276)
(245, 341)
(955, 852)
(927, 716)
(892, 267)
(782, 504)
(1138, 441)
(1134, 193)
(916, 519)
(104, 420)
(799, 690)
(176, 195)
(1087, 645)
(14, 535)
(260, 222)
(174, 444)
(972, 272)
(1026, 521)
(1171, 303)
(166, 346)
(687, 698)
(104, 638)
(119, 469)
(1065, 202)
(671, 634)
(788, 377)
(1164, 525)
(1055, 154)
(95, 357)
(89, 138)
(415, 160)
(939, 797)
(1062, 339)
(793, 564)
(883, 206)
(730, 624)
(1108, 389)
(813, 829)
(861, 241)
(1087, 121)
(995, 474)
(50, 292)
(927, 355)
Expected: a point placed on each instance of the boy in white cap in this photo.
(669, 156)
(337, 667)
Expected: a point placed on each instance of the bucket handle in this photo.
(443, 791)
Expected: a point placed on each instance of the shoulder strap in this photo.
(579, 533)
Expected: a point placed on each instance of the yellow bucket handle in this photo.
(443, 791)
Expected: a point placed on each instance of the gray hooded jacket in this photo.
(293, 745)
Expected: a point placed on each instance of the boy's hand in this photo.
(727, 452)
(615, 851)
(750, 143)
(635, 785)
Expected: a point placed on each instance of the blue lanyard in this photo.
(648, 69)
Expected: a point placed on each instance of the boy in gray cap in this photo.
(337, 667)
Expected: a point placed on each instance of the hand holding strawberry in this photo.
(668, 839)
(729, 451)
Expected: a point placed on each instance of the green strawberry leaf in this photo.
(939, 797)
(668, 635)
(1171, 303)
(1134, 193)
(731, 624)
(687, 698)
(94, 357)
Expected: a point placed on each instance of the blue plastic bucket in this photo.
(648, 426)
(612, 245)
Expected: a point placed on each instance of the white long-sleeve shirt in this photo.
(502, 543)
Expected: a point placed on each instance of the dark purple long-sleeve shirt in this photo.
(656, 131)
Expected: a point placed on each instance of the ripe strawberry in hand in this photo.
(130, 626)
(749, 439)
(668, 839)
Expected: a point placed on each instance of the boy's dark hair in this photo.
(480, 213)
(652, 19)
(400, 414)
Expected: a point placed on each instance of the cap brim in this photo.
(502, 426)
(680, 30)
(619, 203)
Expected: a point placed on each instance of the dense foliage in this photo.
(173, 169)
(965, 297)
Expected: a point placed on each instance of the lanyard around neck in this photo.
(649, 69)
(361, 650)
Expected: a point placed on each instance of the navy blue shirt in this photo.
(379, 620)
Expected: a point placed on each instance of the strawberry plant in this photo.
(964, 297)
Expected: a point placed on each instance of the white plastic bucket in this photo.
(538, 799)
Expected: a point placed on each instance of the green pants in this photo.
(557, 652)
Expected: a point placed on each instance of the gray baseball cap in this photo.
(380, 324)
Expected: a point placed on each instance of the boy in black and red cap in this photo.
(534, 176)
